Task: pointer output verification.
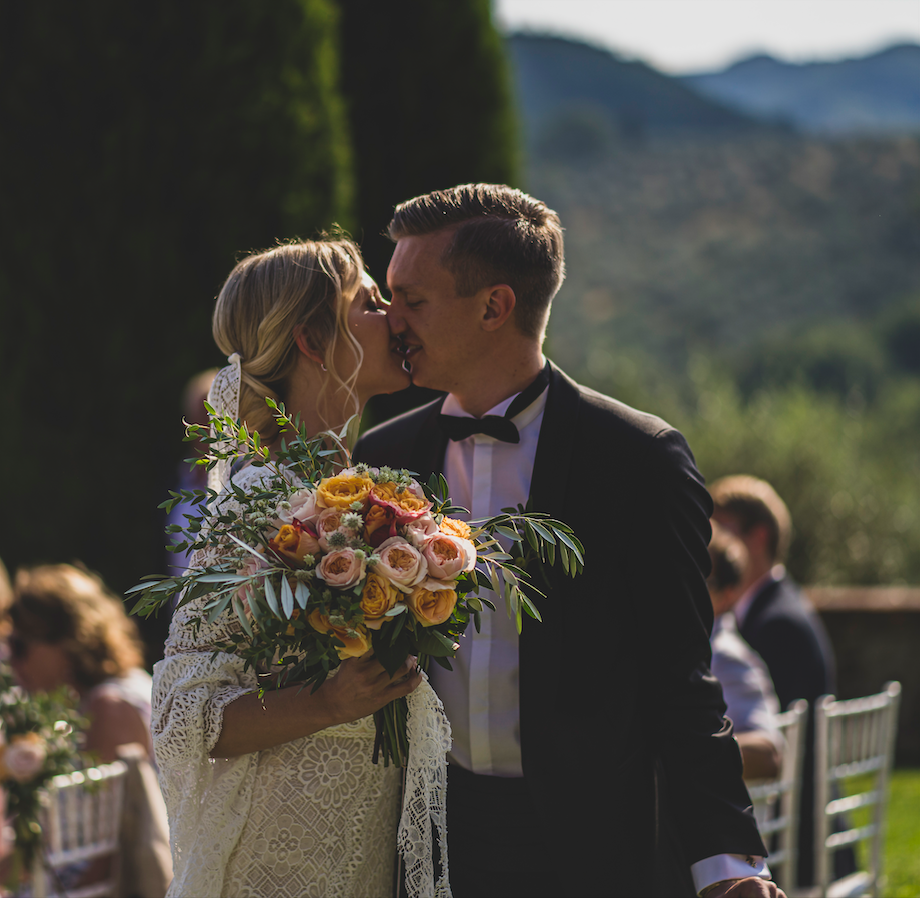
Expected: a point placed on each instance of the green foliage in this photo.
(850, 473)
(50, 722)
(144, 147)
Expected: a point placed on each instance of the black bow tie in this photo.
(500, 427)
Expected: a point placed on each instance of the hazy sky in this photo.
(681, 36)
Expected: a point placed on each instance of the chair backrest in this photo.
(80, 822)
(776, 801)
(853, 739)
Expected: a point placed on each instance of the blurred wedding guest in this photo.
(188, 477)
(6, 599)
(69, 630)
(751, 702)
(777, 621)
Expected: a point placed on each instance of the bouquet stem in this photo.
(391, 739)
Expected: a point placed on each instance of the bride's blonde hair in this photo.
(266, 298)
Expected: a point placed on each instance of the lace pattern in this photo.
(312, 817)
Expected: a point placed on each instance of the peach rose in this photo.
(408, 503)
(449, 556)
(294, 543)
(379, 597)
(453, 527)
(342, 568)
(23, 758)
(355, 640)
(432, 602)
(344, 489)
(401, 563)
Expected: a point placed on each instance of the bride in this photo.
(279, 796)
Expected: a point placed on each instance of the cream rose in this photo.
(432, 602)
(379, 597)
(449, 556)
(302, 507)
(24, 757)
(401, 563)
(342, 568)
(355, 640)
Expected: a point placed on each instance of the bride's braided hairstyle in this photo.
(266, 298)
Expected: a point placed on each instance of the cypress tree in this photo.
(430, 106)
(144, 147)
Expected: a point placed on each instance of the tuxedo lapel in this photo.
(558, 443)
(430, 445)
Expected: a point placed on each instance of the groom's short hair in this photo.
(503, 236)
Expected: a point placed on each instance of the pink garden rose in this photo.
(342, 568)
(401, 563)
(449, 556)
(419, 531)
(329, 522)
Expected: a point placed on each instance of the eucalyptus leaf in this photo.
(270, 596)
(287, 597)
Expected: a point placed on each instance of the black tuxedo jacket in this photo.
(624, 748)
(786, 632)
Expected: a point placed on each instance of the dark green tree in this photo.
(429, 102)
(144, 147)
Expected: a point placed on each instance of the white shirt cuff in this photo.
(727, 866)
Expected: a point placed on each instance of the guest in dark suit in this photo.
(780, 625)
(591, 756)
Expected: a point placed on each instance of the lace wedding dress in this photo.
(312, 817)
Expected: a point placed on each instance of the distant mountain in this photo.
(576, 97)
(878, 94)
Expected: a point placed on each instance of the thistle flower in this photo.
(337, 540)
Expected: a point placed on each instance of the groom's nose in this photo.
(395, 319)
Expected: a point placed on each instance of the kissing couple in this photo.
(590, 755)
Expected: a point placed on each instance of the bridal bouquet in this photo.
(38, 741)
(321, 564)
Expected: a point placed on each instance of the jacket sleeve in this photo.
(700, 759)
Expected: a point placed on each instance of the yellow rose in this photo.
(377, 598)
(405, 503)
(294, 543)
(432, 603)
(344, 489)
(453, 527)
(354, 645)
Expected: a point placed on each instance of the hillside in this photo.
(693, 243)
(878, 94)
(564, 85)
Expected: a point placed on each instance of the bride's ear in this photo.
(305, 347)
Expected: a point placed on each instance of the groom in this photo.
(590, 754)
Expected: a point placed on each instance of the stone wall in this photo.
(875, 632)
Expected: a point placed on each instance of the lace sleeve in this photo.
(207, 800)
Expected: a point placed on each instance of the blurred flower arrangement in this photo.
(38, 741)
(320, 564)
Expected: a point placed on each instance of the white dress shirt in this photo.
(481, 695)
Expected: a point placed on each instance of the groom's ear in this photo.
(499, 307)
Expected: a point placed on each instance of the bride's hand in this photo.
(361, 686)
